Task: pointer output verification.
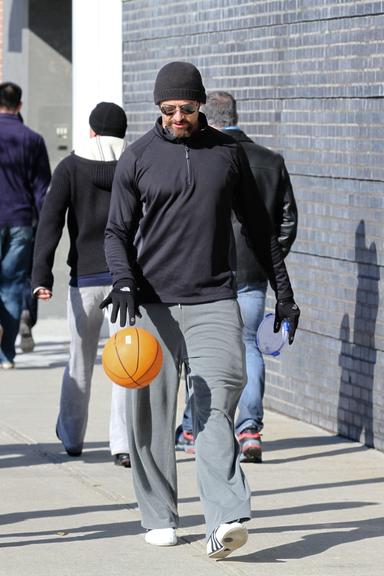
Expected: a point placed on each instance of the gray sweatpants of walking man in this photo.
(207, 338)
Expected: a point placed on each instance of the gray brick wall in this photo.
(309, 80)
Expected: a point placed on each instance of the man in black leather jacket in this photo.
(274, 184)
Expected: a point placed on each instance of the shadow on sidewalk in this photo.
(68, 534)
(331, 535)
(314, 455)
(303, 442)
(18, 455)
(197, 520)
(303, 488)
(16, 517)
(323, 486)
(327, 536)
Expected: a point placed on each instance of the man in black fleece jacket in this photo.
(81, 190)
(167, 244)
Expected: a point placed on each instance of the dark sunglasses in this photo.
(170, 109)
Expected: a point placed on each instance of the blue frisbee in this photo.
(269, 342)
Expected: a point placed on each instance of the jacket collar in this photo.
(237, 134)
(9, 116)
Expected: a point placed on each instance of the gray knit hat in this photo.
(108, 119)
(179, 81)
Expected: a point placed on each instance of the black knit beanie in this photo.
(179, 81)
(108, 119)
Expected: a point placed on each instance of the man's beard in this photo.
(184, 132)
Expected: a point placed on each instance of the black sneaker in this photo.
(250, 445)
(123, 459)
(27, 342)
(73, 453)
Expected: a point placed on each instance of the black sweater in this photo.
(80, 189)
(169, 226)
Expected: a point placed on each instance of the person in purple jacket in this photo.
(25, 175)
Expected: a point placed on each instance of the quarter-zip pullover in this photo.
(169, 226)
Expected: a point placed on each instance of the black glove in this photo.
(122, 298)
(287, 310)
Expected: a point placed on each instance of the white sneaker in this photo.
(5, 365)
(161, 537)
(225, 539)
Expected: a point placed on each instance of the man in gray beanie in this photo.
(167, 245)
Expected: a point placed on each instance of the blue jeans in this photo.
(251, 298)
(186, 422)
(30, 303)
(15, 256)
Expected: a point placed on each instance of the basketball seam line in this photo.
(149, 367)
(138, 350)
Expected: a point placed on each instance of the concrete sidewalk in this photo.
(318, 500)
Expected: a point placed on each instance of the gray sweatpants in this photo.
(207, 338)
(85, 321)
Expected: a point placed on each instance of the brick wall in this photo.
(309, 80)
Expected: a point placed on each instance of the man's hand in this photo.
(42, 293)
(287, 310)
(122, 298)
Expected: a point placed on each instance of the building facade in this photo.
(66, 56)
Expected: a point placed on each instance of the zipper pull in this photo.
(188, 165)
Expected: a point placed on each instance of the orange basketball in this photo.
(132, 357)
